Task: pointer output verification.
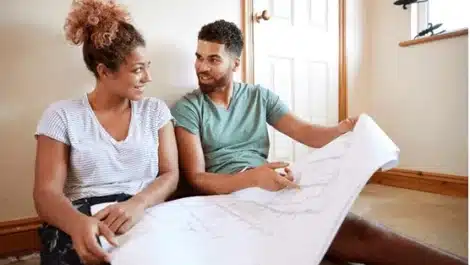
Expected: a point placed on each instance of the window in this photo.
(452, 14)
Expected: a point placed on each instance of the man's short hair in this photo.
(223, 32)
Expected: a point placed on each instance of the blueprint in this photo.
(258, 227)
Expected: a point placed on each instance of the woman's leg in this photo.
(56, 247)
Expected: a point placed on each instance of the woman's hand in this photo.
(122, 216)
(84, 233)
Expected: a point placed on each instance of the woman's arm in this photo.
(50, 173)
(55, 209)
(165, 185)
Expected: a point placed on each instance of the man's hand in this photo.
(347, 125)
(266, 176)
(122, 216)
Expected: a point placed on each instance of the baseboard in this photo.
(19, 237)
(423, 181)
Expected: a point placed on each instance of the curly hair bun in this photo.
(95, 20)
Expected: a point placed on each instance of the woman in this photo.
(111, 145)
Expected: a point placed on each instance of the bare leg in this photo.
(365, 242)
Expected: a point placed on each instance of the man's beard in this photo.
(215, 85)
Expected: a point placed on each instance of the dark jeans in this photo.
(56, 245)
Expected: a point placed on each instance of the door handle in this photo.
(262, 15)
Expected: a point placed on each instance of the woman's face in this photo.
(132, 76)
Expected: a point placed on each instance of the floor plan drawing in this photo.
(254, 226)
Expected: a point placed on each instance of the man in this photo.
(221, 130)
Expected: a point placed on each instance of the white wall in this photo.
(358, 56)
(37, 67)
(417, 94)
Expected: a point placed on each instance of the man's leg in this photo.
(365, 242)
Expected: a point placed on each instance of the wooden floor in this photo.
(434, 219)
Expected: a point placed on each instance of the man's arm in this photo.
(193, 168)
(312, 135)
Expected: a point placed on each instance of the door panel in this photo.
(318, 11)
(281, 84)
(281, 9)
(296, 56)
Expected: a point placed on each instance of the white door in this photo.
(296, 54)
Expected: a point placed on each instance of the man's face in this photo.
(214, 66)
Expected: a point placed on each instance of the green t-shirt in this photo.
(232, 138)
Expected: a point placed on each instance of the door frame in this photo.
(247, 66)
